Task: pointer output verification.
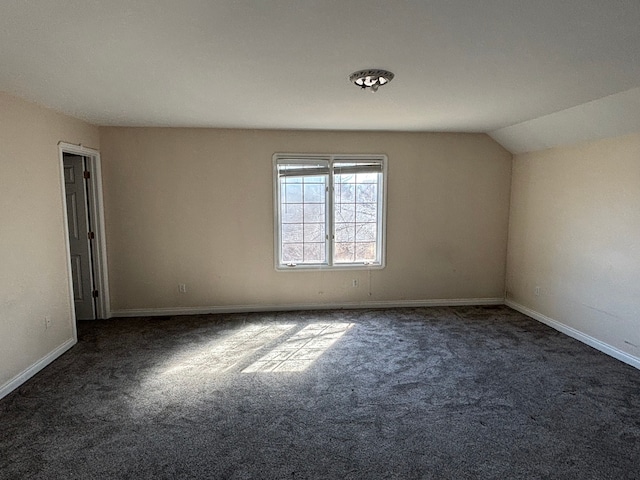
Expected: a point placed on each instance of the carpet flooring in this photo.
(421, 393)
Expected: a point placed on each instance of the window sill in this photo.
(311, 268)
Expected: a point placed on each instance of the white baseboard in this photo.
(451, 302)
(577, 334)
(25, 375)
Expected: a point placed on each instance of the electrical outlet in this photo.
(537, 291)
(354, 282)
(47, 322)
(182, 288)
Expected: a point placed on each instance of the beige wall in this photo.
(195, 206)
(33, 280)
(575, 233)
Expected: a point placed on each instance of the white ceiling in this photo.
(460, 65)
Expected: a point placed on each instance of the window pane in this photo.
(313, 193)
(292, 232)
(302, 217)
(345, 178)
(344, 253)
(314, 232)
(292, 179)
(355, 214)
(366, 232)
(366, 212)
(292, 193)
(318, 179)
(345, 193)
(292, 213)
(367, 178)
(314, 212)
(292, 253)
(345, 232)
(367, 192)
(314, 252)
(366, 252)
(345, 212)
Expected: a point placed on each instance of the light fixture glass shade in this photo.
(371, 79)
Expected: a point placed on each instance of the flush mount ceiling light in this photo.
(371, 79)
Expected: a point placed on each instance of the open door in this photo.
(80, 236)
(80, 170)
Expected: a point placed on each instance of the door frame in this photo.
(95, 207)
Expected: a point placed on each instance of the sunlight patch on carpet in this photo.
(223, 355)
(301, 349)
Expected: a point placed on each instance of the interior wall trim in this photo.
(577, 334)
(449, 302)
(29, 372)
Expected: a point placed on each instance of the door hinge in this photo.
(91, 235)
(94, 294)
(86, 174)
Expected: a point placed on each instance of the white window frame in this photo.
(283, 158)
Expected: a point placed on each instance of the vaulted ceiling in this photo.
(533, 74)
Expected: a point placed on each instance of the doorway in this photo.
(86, 254)
(81, 236)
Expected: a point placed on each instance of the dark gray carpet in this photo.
(442, 393)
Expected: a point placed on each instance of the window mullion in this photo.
(329, 221)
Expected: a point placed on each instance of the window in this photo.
(330, 211)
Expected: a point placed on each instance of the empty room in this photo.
(295, 239)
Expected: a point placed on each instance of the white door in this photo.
(79, 236)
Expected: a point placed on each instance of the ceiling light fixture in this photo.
(371, 79)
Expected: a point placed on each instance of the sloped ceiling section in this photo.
(612, 116)
(499, 66)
